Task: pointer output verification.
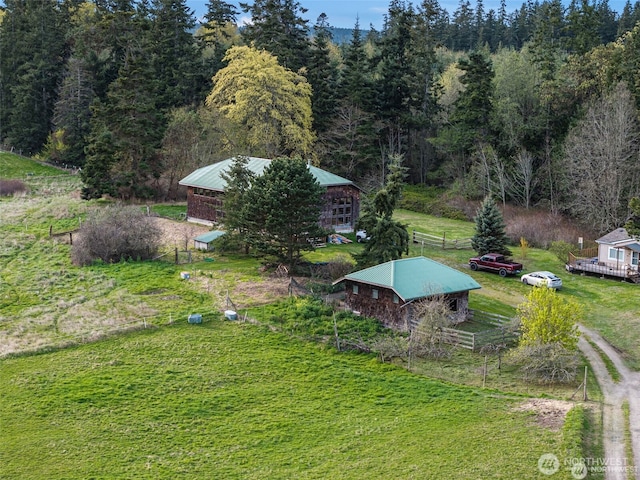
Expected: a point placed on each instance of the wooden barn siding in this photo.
(389, 313)
(203, 207)
(339, 192)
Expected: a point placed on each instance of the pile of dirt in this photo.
(549, 413)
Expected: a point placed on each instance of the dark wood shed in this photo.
(390, 290)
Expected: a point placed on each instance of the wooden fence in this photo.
(498, 331)
(426, 239)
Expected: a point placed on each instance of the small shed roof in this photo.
(416, 277)
(210, 177)
(209, 236)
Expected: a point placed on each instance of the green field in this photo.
(13, 166)
(231, 400)
(234, 400)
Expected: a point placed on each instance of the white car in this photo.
(361, 236)
(542, 279)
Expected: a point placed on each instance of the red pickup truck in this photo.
(495, 262)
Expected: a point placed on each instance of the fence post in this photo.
(444, 236)
(484, 372)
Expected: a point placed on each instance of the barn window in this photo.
(341, 211)
(453, 304)
(354, 289)
(374, 293)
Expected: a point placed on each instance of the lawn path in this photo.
(628, 388)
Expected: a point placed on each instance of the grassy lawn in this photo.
(14, 166)
(234, 400)
(230, 400)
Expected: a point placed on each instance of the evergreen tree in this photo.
(389, 238)
(117, 25)
(282, 210)
(425, 88)
(323, 77)
(479, 23)
(217, 34)
(219, 14)
(474, 106)
(633, 223)
(583, 27)
(32, 55)
(349, 146)
(175, 57)
(277, 27)
(462, 37)
(356, 87)
(393, 72)
(126, 133)
(72, 114)
(238, 183)
(626, 21)
(490, 236)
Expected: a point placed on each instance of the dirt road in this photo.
(615, 393)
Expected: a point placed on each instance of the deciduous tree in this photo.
(547, 318)
(270, 103)
(601, 153)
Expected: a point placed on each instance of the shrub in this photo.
(11, 187)
(541, 227)
(561, 249)
(116, 233)
(546, 363)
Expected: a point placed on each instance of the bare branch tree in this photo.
(523, 179)
(601, 154)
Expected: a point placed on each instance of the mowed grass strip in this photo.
(229, 400)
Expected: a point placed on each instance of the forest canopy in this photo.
(482, 102)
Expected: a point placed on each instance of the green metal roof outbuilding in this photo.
(210, 177)
(202, 242)
(415, 277)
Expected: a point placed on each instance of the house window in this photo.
(354, 289)
(396, 299)
(374, 293)
(635, 258)
(616, 254)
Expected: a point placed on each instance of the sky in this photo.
(343, 13)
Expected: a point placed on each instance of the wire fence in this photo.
(62, 340)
